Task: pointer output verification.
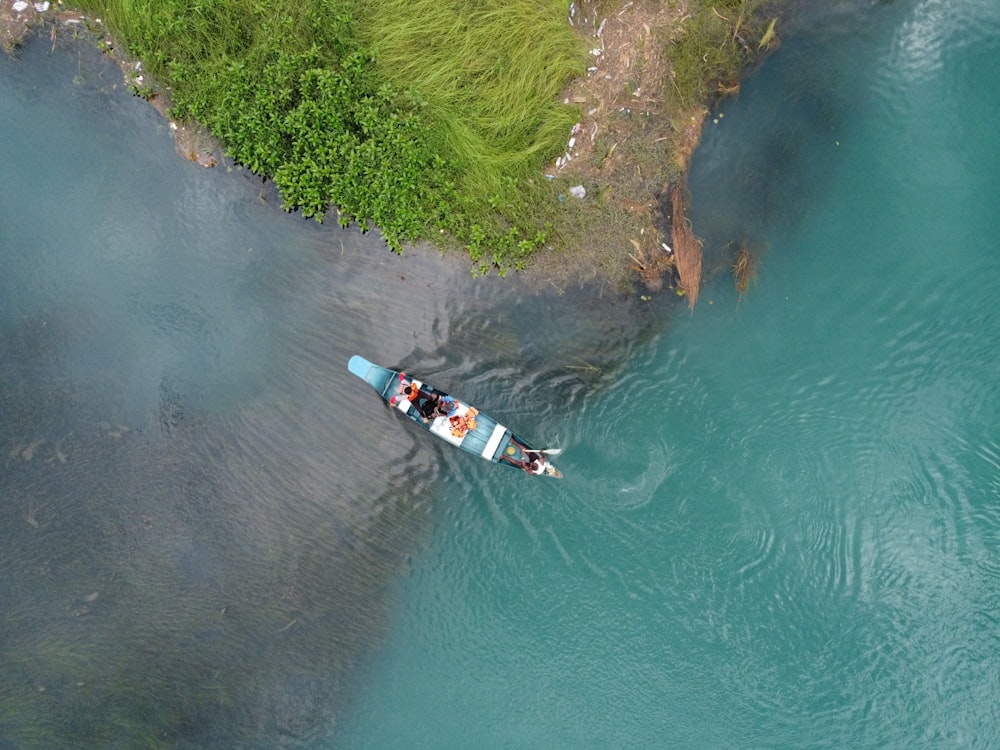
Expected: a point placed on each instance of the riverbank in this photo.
(656, 69)
(18, 16)
(629, 151)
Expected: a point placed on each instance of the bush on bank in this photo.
(425, 118)
(430, 119)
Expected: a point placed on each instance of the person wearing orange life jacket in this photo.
(428, 405)
(405, 389)
(413, 394)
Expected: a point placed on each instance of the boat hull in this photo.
(466, 427)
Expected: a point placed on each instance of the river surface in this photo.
(780, 519)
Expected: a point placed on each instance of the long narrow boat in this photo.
(453, 420)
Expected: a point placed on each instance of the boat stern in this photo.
(551, 470)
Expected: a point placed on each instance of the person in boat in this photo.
(445, 406)
(406, 388)
(428, 405)
(410, 391)
(422, 401)
(531, 461)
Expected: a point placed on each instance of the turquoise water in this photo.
(780, 519)
(780, 526)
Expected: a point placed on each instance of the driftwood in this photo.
(687, 248)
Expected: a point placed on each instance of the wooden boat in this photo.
(453, 420)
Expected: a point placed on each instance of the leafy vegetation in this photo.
(430, 119)
(425, 118)
(718, 44)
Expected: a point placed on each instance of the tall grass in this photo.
(719, 43)
(415, 115)
(172, 35)
(490, 71)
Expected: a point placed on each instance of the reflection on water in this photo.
(202, 515)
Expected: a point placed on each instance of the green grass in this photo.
(430, 119)
(719, 43)
(490, 72)
(425, 118)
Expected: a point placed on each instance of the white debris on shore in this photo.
(19, 6)
(565, 159)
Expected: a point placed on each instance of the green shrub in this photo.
(718, 44)
(416, 116)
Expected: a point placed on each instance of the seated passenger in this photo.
(446, 406)
(427, 405)
(422, 401)
(406, 389)
(531, 461)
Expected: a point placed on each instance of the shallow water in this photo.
(202, 511)
(780, 518)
